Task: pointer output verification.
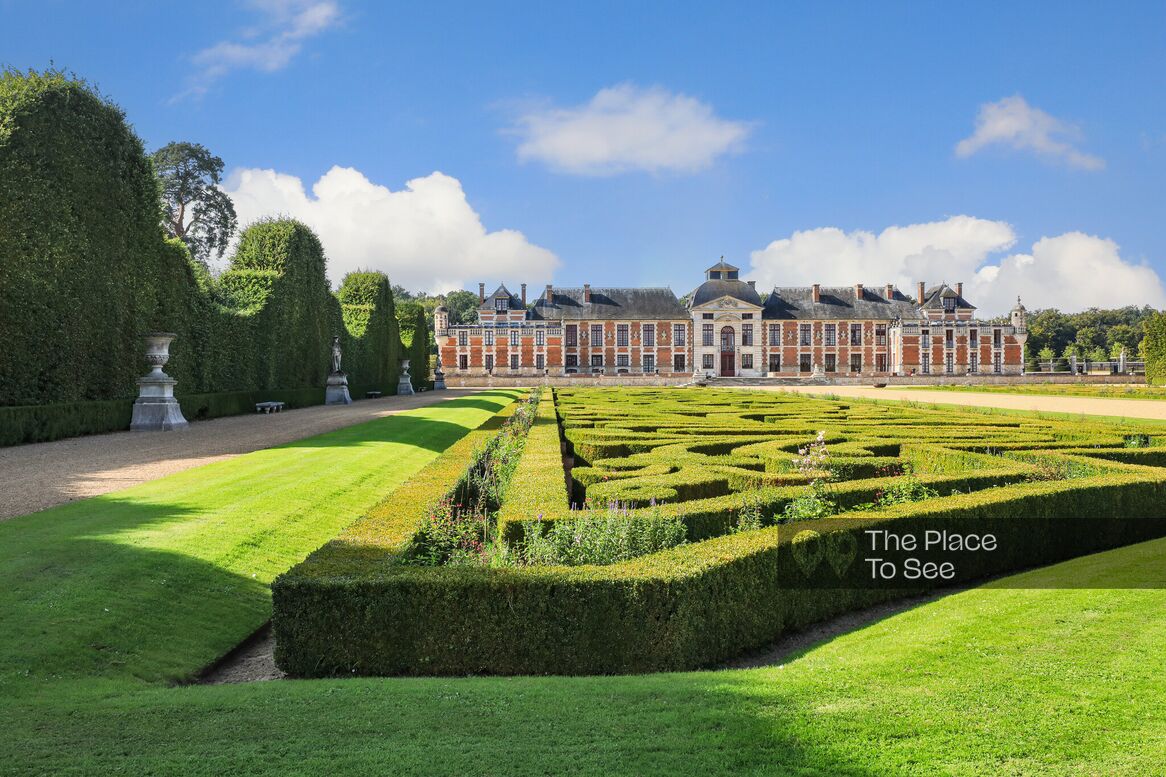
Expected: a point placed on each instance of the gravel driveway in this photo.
(34, 477)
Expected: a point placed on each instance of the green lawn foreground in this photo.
(157, 581)
(997, 680)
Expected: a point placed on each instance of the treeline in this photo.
(1094, 334)
(86, 269)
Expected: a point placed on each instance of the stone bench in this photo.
(269, 407)
(372, 395)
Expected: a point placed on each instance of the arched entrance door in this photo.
(728, 351)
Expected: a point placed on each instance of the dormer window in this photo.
(949, 304)
(500, 304)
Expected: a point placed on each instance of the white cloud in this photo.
(1013, 122)
(1072, 271)
(424, 237)
(624, 128)
(269, 47)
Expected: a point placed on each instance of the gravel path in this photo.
(34, 477)
(1128, 408)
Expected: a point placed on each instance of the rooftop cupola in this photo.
(722, 271)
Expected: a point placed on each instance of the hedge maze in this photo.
(731, 466)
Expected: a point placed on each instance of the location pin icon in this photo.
(807, 551)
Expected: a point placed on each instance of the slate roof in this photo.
(933, 298)
(501, 291)
(837, 304)
(611, 303)
(711, 290)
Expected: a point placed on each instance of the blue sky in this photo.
(635, 143)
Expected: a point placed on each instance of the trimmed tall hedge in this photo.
(85, 270)
(1155, 346)
(1059, 489)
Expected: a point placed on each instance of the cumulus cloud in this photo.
(625, 128)
(268, 47)
(1014, 123)
(425, 237)
(1072, 271)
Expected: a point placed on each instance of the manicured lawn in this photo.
(157, 581)
(1101, 391)
(104, 603)
(994, 681)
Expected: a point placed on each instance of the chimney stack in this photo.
(858, 291)
(587, 293)
(550, 295)
(959, 288)
(481, 292)
(524, 295)
(919, 295)
(817, 292)
(889, 291)
(752, 284)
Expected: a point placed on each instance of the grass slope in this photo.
(1018, 677)
(157, 581)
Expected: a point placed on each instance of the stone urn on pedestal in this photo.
(156, 409)
(404, 383)
(438, 376)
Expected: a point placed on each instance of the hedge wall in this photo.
(1155, 345)
(85, 269)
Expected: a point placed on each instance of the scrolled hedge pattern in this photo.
(1048, 490)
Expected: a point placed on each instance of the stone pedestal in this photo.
(817, 371)
(404, 383)
(156, 409)
(336, 390)
(438, 378)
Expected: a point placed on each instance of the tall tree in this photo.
(463, 307)
(196, 210)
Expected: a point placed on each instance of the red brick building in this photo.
(728, 329)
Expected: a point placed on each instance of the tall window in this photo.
(974, 362)
(996, 364)
(621, 335)
(775, 334)
(925, 364)
(489, 362)
(805, 334)
(596, 360)
(572, 335)
(775, 362)
(880, 362)
(540, 337)
(500, 304)
(649, 363)
(489, 337)
(949, 338)
(706, 334)
(856, 334)
(462, 337)
(925, 338)
(949, 363)
(540, 361)
(746, 335)
(514, 338)
(572, 360)
(648, 335)
(856, 362)
(678, 363)
(949, 304)
(707, 361)
(831, 362)
(831, 334)
(804, 364)
(679, 334)
(514, 361)
(463, 362)
(596, 335)
(996, 338)
(746, 361)
(974, 338)
(622, 360)
(881, 335)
